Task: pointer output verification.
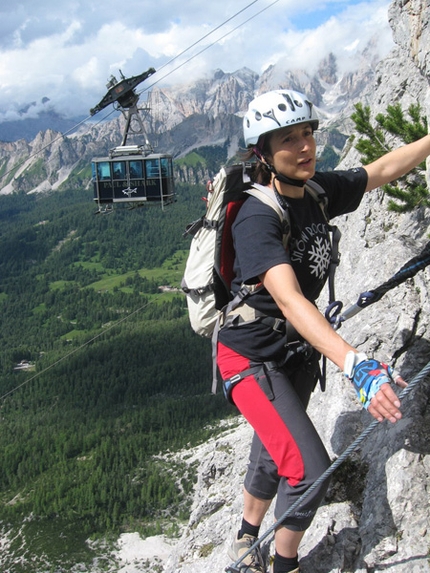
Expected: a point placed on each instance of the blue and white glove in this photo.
(367, 376)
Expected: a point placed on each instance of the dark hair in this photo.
(260, 173)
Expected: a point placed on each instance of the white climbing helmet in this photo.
(276, 109)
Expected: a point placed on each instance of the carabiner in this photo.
(332, 314)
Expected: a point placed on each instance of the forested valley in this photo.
(100, 370)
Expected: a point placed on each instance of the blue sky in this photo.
(66, 50)
(320, 12)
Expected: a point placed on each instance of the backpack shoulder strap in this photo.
(267, 196)
(317, 192)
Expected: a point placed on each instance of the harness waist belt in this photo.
(245, 313)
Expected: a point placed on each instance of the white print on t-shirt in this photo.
(314, 246)
(320, 253)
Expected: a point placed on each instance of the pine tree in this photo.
(410, 191)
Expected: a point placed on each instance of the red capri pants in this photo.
(287, 455)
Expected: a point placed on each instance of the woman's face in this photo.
(293, 151)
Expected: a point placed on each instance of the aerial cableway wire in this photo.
(207, 35)
(16, 167)
(103, 119)
(21, 163)
(210, 45)
(76, 349)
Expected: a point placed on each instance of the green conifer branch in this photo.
(410, 192)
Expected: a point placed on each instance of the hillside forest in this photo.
(100, 370)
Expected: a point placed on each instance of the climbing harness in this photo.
(234, 568)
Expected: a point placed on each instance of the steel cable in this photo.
(414, 382)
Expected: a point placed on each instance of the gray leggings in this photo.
(287, 455)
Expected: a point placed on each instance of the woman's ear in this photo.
(268, 161)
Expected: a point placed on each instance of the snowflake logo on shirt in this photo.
(319, 257)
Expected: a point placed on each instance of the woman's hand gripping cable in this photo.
(368, 378)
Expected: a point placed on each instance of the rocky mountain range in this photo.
(183, 118)
(376, 516)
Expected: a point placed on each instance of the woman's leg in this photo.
(254, 508)
(287, 455)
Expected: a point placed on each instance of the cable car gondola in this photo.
(131, 174)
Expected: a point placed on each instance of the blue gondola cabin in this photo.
(129, 175)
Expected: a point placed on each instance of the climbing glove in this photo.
(367, 376)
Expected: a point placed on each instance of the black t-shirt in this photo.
(258, 233)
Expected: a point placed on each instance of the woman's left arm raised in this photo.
(396, 163)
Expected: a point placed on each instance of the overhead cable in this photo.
(75, 350)
(209, 46)
(17, 166)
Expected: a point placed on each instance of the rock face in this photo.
(410, 23)
(377, 513)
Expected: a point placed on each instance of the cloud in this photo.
(67, 50)
(347, 35)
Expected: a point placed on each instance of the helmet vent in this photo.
(275, 109)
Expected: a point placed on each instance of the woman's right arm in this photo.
(303, 315)
(282, 284)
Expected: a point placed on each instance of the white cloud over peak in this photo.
(67, 50)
